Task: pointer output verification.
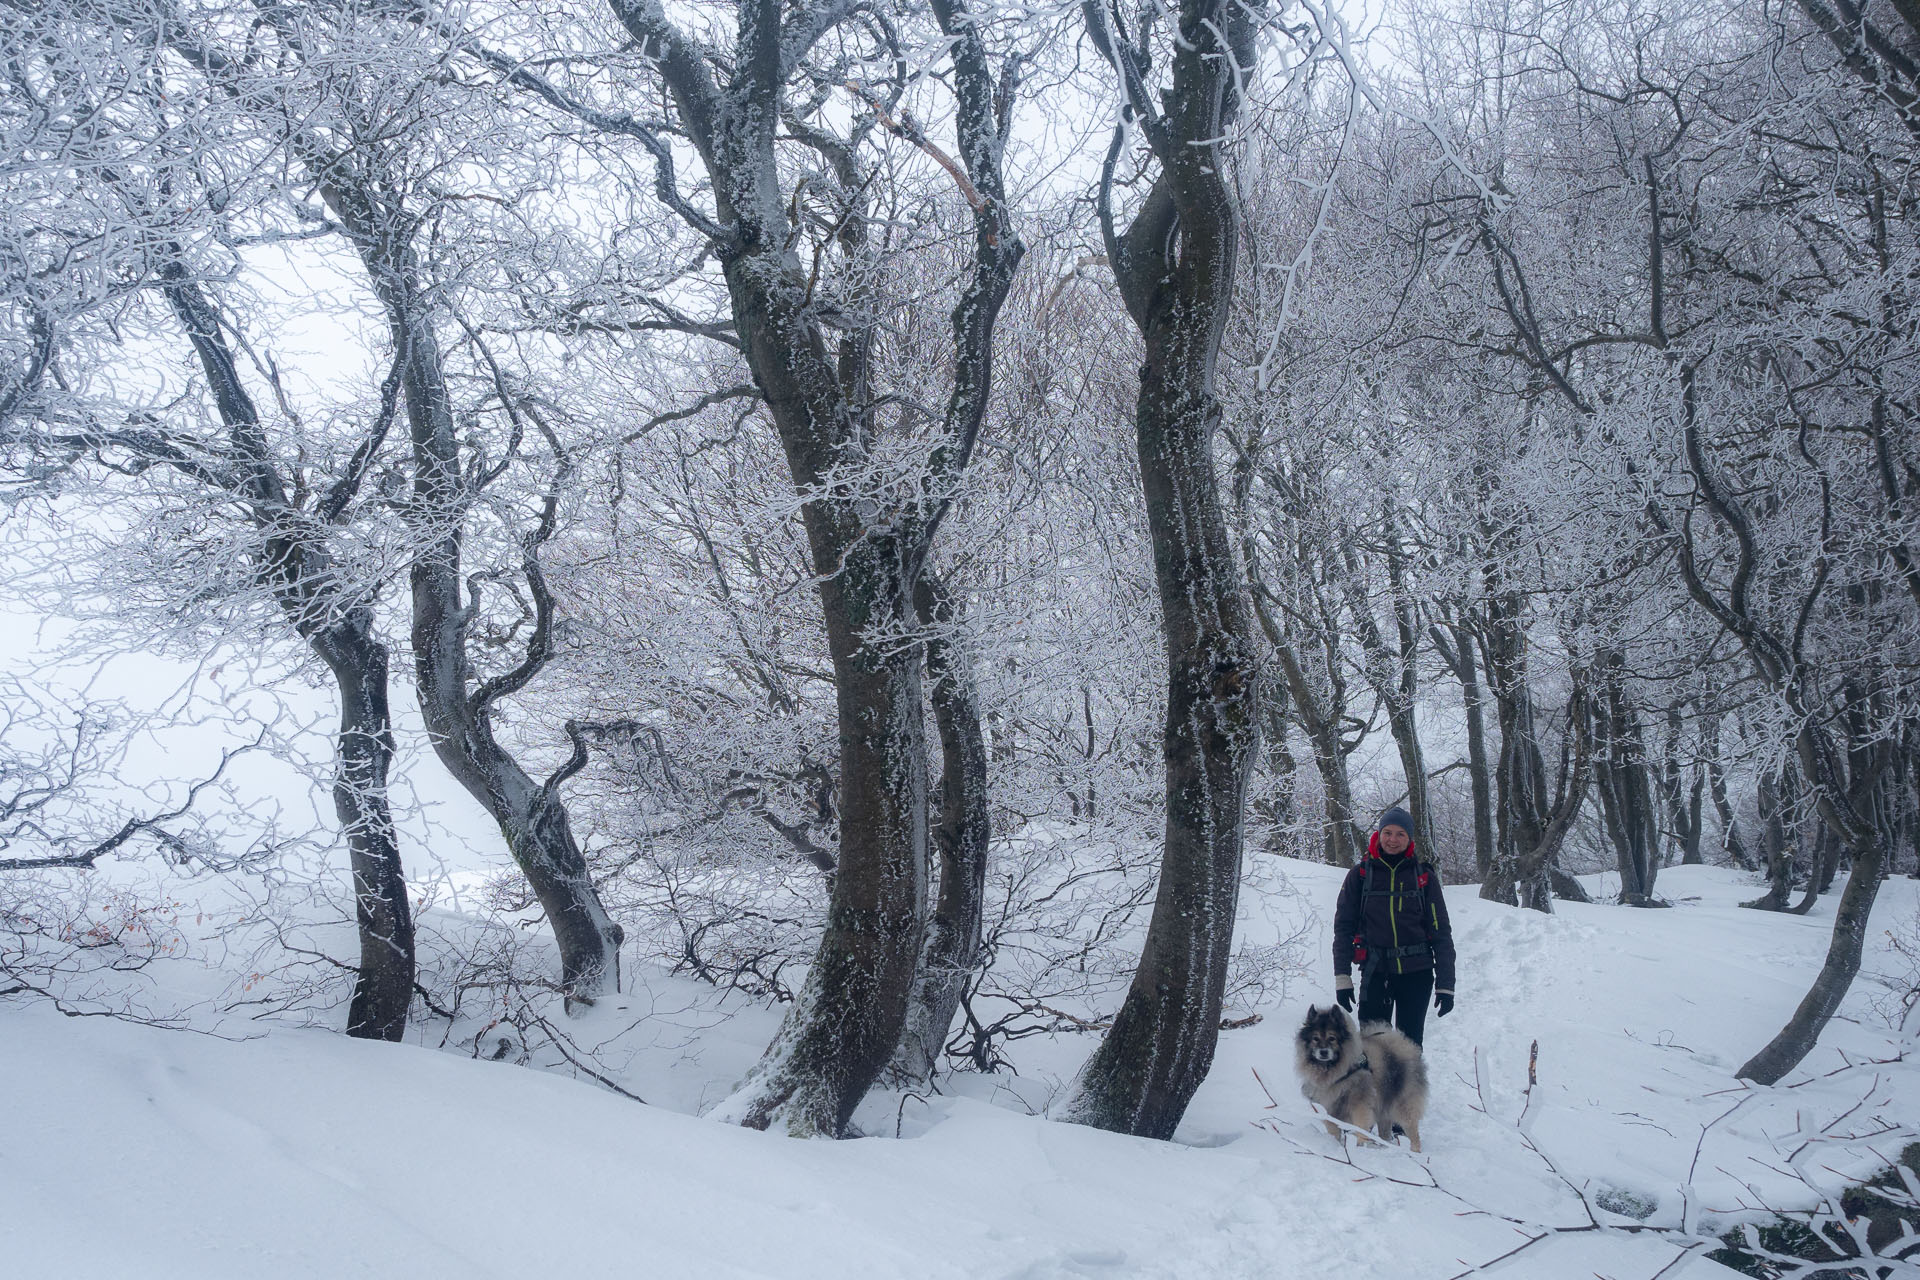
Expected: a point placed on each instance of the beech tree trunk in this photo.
(456, 706)
(1461, 659)
(1393, 671)
(1175, 268)
(1278, 807)
(295, 567)
(1796, 1040)
(1622, 778)
(960, 840)
(1776, 795)
(868, 549)
(383, 987)
(1533, 818)
(371, 202)
(1683, 801)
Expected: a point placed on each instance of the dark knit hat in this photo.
(1396, 817)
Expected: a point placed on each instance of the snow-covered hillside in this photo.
(245, 1148)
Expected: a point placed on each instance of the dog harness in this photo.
(1356, 1069)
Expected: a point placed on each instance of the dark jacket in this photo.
(1401, 906)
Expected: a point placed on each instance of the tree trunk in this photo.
(1824, 866)
(1343, 838)
(1393, 672)
(1796, 1040)
(1464, 663)
(299, 573)
(1533, 824)
(1777, 843)
(459, 716)
(1175, 267)
(960, 839)
(868, 549)
(1626, 798)
(1343, 831)
(1161, 1043)
(846, 1022)
(1565, 887)
(1731, 840)
(383, 987)
(1683, 803)
(1479, 774)
(1279, 807)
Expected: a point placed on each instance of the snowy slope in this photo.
(130, 1149)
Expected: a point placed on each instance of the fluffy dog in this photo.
(1374, 1079)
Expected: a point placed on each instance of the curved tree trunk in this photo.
(296, 568)
(458, 714)
(1825, 865)
(1175, 267)
(846, 1021)
(382, 230)
(1796, 1040)
(383, 987)
(867, 551)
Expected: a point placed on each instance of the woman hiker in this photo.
(1392, 921)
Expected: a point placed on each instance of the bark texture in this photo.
(1535, 814)
(1462, 659)
(868, 549)
(960, 839)
(295, 567)
(1175, 267)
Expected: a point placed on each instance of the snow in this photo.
(249, 1147)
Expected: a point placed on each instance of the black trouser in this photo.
(1403, 996)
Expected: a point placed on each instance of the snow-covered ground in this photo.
(250, 1148)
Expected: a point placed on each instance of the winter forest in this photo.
(720, 571)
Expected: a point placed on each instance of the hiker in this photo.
(1392, 921)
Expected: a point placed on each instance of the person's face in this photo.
(1394, 839)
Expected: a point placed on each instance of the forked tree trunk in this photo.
(1533, 820)
(868, 549)
(293, 564)
(960, 840)
(382, 230)
(1175, 267)
(456, 706)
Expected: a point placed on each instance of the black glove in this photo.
(1345, 996)
(1442, 1003)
